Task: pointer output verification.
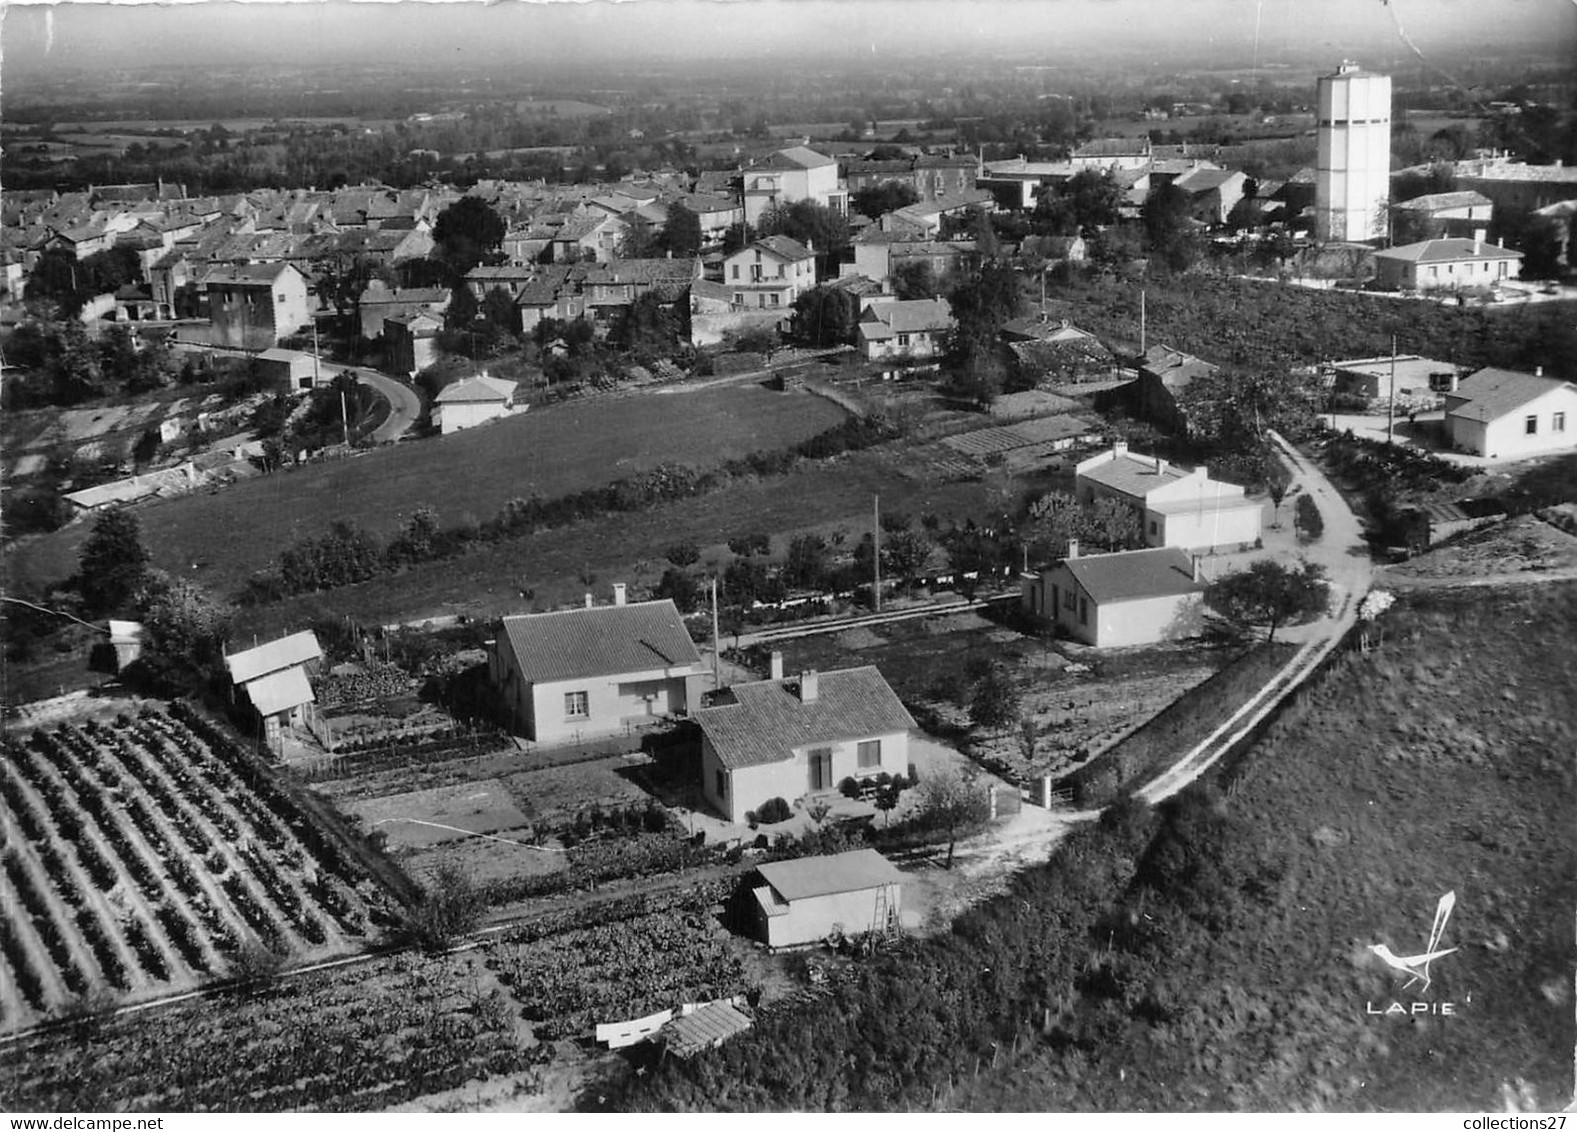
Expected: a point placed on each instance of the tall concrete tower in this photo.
(1353, 170)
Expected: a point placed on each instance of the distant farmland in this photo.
(220, 538)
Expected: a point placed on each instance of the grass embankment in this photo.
(1239, 974)
(220, 538)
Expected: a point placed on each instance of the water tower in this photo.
(1352, 181)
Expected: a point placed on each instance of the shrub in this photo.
(849, 788)
(1307, 517)
(774, 810)
(450, 908)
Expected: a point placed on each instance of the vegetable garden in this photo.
(152, 855)
(627, 968)
(370, 1037)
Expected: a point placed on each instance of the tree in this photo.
(953, 801)
(826, 316)
(1167, 225)
(112, 563)
(812, 224)
(680, 588)
(681, 234)
(184, 628)
(1094, 197)
(915, 280)
(450, 908)
(877, 200)
(808, 562)
(1270, 594)
(1307, 519)
(1277, 481)
(467, 232)
(994, 701)
(683, 554)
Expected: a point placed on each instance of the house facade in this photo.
(1130, 597)
(410, 342)
(1177, 508)
(253, 306)
(770, 273)
(914, 329)
(601, 670)
(791, 175)
(472, 401)
(1502, 414)
(1446, 264)
(810, 898)
(787, 738)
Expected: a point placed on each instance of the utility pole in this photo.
(876, 556)
(317, 376)
(344, 416)
(717, 651)
(1390, 402)
(1142, 343)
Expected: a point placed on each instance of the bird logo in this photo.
(1416, 967)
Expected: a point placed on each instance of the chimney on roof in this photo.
(588, 601)
(775, 669)
(1120, 448)
(1073, 550)
(1478, 240)
(809, 686)
(1160, 466)
(1199, 569)
(1538, 371)
(619, 591)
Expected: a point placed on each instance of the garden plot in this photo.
(367, 1037)
(430, 817)
(149, 856)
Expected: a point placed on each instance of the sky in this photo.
(79, 33)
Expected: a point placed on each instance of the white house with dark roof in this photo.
(595, 671)
(770, 273)
(786, 738)
(472, 401)
(1130, 597)
(1446, 264)
(905, 329)
(1502, 414)
(273, 678)
(807, 899)
(1178, 507)
(790, 175)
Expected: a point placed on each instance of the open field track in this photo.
(147, 863)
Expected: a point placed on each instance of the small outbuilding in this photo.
(472, 401)
(809, 899)
(273, 678)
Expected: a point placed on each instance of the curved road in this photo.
(404, 405)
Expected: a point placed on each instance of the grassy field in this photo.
(552, 565)
(219, 538)
(1241, 976)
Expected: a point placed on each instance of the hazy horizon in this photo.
(37, 38)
